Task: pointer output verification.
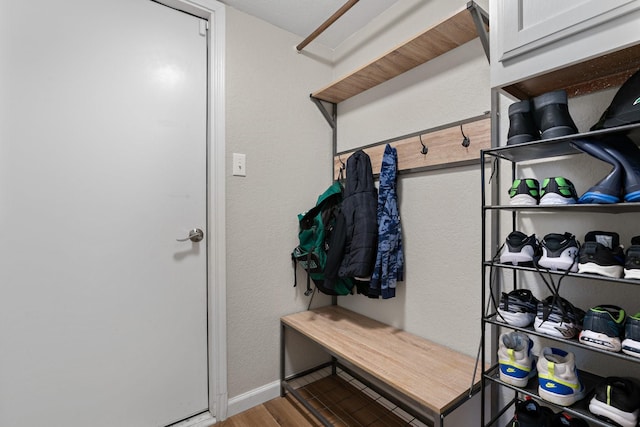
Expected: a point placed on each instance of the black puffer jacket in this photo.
(359, 208)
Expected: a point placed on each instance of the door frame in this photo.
(214, 12)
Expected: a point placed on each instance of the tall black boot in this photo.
(551, 114)
(609, 188)
(522, 128)
(628, 155)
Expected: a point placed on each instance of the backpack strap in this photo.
(308, 291)
(295, 265)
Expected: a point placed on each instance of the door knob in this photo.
(195, 235)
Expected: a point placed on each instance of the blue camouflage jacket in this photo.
(389, 267)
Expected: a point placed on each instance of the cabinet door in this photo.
(531, 24)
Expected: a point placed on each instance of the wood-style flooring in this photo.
(343, 401)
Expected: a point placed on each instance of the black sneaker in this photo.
(618, 400)
(602, 254)
(519, 249)
(530, 414)
(518, 308)
(602, 327)
(632, 260)
(562, 419)
(524, 191)
(559, 252)
(631, 343)
(558, 191)
(557, 317)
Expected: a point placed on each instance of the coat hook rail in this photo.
(441, 143)
(333, 18)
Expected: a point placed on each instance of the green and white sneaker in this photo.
(525, 192)
(558, 380)
(557, 191)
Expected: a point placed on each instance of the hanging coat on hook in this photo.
(389, 267)
(359, 211)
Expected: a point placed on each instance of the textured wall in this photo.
(440, 210)
(287, 143)
(288, 148)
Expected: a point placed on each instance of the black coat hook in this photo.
(424, 149)
(465, 140)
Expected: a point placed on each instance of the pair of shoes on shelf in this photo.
(555, 251)
(543, 117)
(607, 327)
(555, 190)
(558, 379)
(529, 413)
(617, 400)
(554, 316)
(602, 254)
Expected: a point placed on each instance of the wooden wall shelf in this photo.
(444, 148)
(435, 41)
(585, 77)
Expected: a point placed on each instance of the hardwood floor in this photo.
(341, 399)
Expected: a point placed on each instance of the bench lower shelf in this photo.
(430, 379)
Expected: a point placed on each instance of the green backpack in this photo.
(315, 236)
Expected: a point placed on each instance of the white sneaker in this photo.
(558, 377)
(517, 363)
(559, 252)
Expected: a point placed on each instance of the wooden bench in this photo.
(432, 380)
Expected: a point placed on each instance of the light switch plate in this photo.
(239, 164)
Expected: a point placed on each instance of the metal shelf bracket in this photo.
(481, 19)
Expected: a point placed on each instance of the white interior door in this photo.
(102, 167)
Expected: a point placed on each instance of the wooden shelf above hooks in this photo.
(456, 30)
(444, 145)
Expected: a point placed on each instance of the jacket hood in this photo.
(359, 174)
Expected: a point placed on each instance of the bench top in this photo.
(431, 374)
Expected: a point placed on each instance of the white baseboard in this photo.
(253, 398)
(202, 420)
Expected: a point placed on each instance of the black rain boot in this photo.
(609, 189)
(522, 128)
(628, 155)
(551, 114)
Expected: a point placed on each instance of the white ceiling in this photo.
(302, 17)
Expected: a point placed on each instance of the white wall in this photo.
(288, 147)
(440, 210)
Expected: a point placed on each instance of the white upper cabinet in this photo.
(529, 37)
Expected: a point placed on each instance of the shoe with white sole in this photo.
(557, 317)
(519, 249)
(524, 192)
(517, 363)
(601, 254)
(559, 252)
(557, 190)
(618, 400)
(631, 343)
(558, 380)
(632, 260)
(517, 308)
(602, 327)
